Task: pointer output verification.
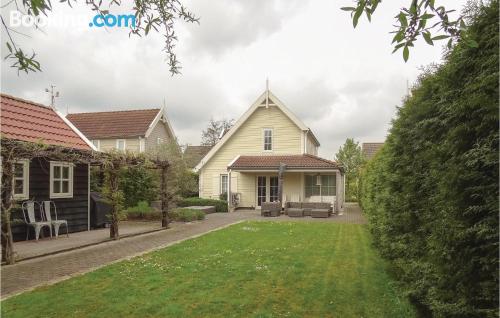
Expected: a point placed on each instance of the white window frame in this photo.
(142, 144)
(68, 194)
(26, 181)
(264, 139)
(159, 141)
(97, 143)
(124, 144)
(227, 184)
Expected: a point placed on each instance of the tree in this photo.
(149, 15)
(351, 158)
(431, 193)
(210, 136)
(420, 19)
(175, 177)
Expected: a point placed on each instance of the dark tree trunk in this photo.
(165, 220)
(113, 187)
(6, 238)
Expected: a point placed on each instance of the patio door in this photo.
(267, 189)
(261, 189)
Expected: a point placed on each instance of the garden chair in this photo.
(28, 208)
(46, 208)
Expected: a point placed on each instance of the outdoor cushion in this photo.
(320, 213)
(292, 212)
(306, 211)
(295, 205)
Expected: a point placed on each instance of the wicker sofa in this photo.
(313, 209)
(270, 209)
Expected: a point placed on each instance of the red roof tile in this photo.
(291, 161)
(115, 124)
(369, 149)
(28, 121)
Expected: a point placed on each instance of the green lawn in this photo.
(256, 269)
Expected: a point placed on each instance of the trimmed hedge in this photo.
(142, 211)
(220, 205)
(187, 215)
(431, 193)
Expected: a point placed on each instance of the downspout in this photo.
(88, 197)
(229, 196)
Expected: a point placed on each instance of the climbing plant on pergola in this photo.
(110, 162)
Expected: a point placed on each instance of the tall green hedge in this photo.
(220, 205)
(431, 193)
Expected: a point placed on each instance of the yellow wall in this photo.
(131, 144)
(248, 140)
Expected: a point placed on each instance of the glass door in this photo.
(273, 189)
(261, 189)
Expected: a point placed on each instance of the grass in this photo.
(252, 269)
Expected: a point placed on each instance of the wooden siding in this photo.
(74, 210)
(249, 140)
(160, 131)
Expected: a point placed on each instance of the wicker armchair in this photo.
(270, 209)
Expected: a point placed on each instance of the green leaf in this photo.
(406, 53)
(427, 38)
(348, 8)
(427, 16)
(440, 37)
(402, 19)
(9, 47)
(398, 37)
(357, 14)
(472, 43)
(450, 43)
(397, 47)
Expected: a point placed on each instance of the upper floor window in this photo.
(159, 140)
(120, 144)
(268, 139)
(97, 144)
(61, 179)
(21, 179)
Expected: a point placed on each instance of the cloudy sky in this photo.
(342, 82)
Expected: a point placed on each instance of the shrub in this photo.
(187, 215)
(220, 205)
(139, 184)
(431, 193)
(142, 211)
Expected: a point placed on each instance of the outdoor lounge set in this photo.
(298, 209)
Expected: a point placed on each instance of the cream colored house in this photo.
(243, 166)
(133, 130)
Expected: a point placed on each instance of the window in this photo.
(61, 179)
(21, 179)
(142, 145)
(223, 184)
(320, 185)
(120, 144)
(159, 140)
(97, 144)
(261, 190)
(268, 139)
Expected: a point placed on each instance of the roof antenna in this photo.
(53, 96)
(267, 92)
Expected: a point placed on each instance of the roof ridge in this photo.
(3, 95)
(116, 111)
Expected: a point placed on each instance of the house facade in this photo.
(131, 130)
(65, 183)
(243, 167)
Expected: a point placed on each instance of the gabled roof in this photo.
(369, 149)
(28, 121)
(273, 162)
(120, 124)
(265, 99)
(193, 154)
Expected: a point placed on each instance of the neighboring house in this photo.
(244, 164)
(193, 154)
(134, 130)
(369, 149)
(40, 179)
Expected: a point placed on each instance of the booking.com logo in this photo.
(17, 19)
(111, 20)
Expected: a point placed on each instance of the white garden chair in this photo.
(46, 209)
(28, 208)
